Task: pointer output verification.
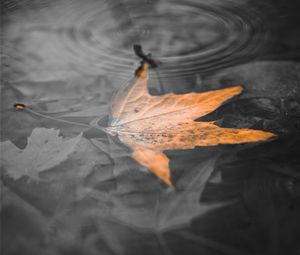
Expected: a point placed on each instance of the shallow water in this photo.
(67, 58)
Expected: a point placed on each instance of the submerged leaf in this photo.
(167, 210)
(45, 149)
(152, 124)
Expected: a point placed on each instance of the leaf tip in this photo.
(271, 135)
(168, 182)
(237, 89)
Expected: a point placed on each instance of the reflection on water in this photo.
(66, 58)
(93, 37)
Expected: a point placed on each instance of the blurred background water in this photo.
(67, 58)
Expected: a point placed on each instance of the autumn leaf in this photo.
(149, 124)
(45, 149)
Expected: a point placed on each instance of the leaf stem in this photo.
(27, 109)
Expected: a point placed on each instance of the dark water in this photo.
(67, 58)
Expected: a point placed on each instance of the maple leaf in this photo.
(170, 210)
(152, 124)
(45, 149)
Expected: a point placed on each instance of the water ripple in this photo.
(188, 37)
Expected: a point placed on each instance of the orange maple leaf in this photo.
(152, 124)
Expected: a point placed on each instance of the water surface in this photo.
(67, 58)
